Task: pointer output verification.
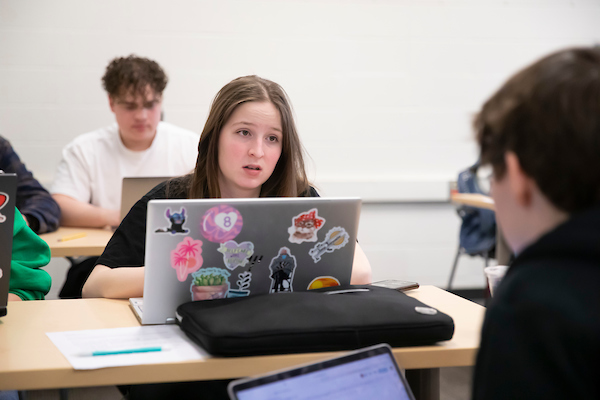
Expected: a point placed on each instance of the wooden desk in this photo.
(92, 244)
(29, 360)
(503, 252)
(474, 200)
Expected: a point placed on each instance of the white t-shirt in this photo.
(93, 164)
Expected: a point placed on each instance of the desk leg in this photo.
(425, 383)
(503, 252)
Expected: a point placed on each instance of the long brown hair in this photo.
(289, 177)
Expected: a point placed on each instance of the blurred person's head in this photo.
(540, 132)
(135, 86)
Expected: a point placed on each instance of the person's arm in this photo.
(40, 211)
(119, 272)
(14, 297)
(73, 187)
(29, 253)
(361, 268)
(80, 214)
(114, 283)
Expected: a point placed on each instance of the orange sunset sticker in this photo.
(323, 281)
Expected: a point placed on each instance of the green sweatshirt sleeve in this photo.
(29, 253)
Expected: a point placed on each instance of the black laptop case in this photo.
(328, 319)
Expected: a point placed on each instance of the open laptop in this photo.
(369, 373)
(8, 192)
(217, 248)
(133, 188)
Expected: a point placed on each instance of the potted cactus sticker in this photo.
(210, 283)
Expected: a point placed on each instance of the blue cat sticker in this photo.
(177, 220)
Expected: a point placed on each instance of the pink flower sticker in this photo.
(187, 258)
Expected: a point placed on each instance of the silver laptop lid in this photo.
(370, 373)
(8, 191)
(216, 248)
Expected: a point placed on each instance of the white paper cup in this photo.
(494, 275)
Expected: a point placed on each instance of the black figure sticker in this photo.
(282, 271)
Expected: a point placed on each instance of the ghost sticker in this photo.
(221, 223)
(177, 220)
(282, 271)
(243, 285)
(305, 226)
(236, 255)
(323, 281)
(335, 239)
(3, 202)
(186, 258)
(210, 283)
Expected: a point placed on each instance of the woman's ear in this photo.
(521, 185)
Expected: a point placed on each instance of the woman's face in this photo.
(250, 145)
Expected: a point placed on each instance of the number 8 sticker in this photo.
(221, 223)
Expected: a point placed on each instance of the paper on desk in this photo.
(77, 346)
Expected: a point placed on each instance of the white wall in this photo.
(384, 91)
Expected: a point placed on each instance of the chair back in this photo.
(478, 229)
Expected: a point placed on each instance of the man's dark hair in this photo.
(125, 75)
(549, 115)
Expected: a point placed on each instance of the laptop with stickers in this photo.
(217, 248)
(369, 373)
(133, 188)
(8, 191)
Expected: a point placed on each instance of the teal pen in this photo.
(127, 351)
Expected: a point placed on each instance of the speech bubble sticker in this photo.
(176, 221)
(221, 223)
(187, 258)
(210, 283)
(336, 238)
(305, 226)
(323, 281)
(282, 269)
(236, 255)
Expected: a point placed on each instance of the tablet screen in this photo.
(368, 374)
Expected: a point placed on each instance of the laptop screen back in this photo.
(201, 249)
(8, 189)
(133, 188)
(370, 373)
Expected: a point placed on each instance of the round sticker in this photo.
(221, 223)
